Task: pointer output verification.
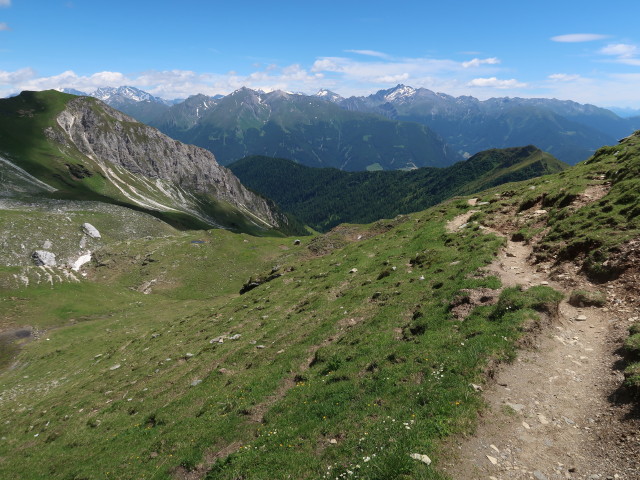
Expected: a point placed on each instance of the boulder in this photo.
(90, 230)
(44, 258)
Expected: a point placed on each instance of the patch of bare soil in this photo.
(559, 411)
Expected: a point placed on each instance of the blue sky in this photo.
(588, 51)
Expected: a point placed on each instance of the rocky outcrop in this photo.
(113, 139)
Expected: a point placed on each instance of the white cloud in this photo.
(494, 82)
(623, 52)
(400, 78)
(578, 37)
(369, 53)
(563, 77)
(476, 62)
(5, 3)
(4, 27)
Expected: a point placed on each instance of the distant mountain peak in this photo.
(399, 92)
(325, 94)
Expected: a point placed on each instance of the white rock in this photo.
(115, 367)
(44, 258)
(353, 270)
(90, 230)
(421, 458)
(493, 460)
(581, 318)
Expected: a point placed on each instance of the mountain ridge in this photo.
(324, 198)
(82, 147)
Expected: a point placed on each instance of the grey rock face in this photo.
(111, 138)
(44, 258)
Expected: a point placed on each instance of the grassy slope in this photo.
(324, 198)
(372, 357)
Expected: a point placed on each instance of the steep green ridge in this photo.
(349, 361)
(309, 130)
(324, 198)
(38, 156)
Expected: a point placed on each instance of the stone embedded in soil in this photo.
(421, 458)
(493, 460)
(539, 475)
(581, 318)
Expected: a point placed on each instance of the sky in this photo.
(587, 51)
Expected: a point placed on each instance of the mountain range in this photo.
(355, 136)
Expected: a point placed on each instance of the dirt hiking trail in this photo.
(558, 411)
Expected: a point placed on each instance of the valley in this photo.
(367, 351)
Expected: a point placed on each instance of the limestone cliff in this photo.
(181, 175)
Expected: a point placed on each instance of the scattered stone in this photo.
(493, 460)
(353, 270)
(421, 458)
(539, 475)
(115, 367)
(43, 258)
(509, 254)
(235, 337)
(482, 203)
(495, 448)
(217, 340)
(188, 355)
(155, 335)
(296, 242)
(581, 318)
(333, 441)
(544, 282)
(91, 230)
(477, 388)
(540, 212)
(516, 407)
(260, 346)
(196, 382)
(543, 420)
(526, 425)
(47, 244)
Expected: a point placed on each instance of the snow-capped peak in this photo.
(399, 93)
(107, 94)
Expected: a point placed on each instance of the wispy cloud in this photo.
(563, 77)
(578, 37)
(476, 62)
(4, 27)
(623, 53)
(494, 82)
(5, 3)
(369, 53)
